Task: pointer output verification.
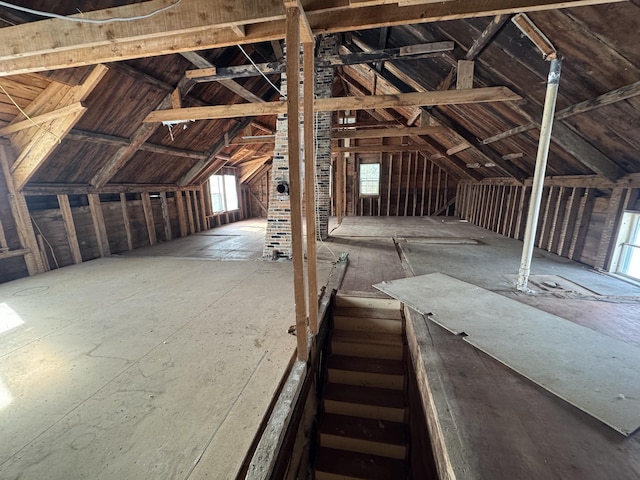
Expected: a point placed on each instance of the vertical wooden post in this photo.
(569, 222)
(424, 183)
(617, 202)
(189, 202)
(21, 216)
(196, 208)
(70, 228)
(309, 180)
(547, 198)
(339, 182)
(399, 184)
(430, 188)
(437, 207)
(515, 192)
(3, 239)
(148, 217)
(98, 224)
(203, 212)
(582, 224)
(390, 179)
(293, 124)
(43, 252)
(182, 220)
(520, 224)
(407, 186)
(126, 221)
(165, 215)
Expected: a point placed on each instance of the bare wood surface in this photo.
(452, 97)
(199, 24)
(125, 220)
(295, 194)
(99, 227)
(21, 217)
(70, 228)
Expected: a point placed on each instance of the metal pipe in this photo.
(538, 177)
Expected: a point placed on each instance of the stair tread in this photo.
(368, 313)
(379, 397)
(359, 465)
(366, 365)
(379, 431)
(377, 338)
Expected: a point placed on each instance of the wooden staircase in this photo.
(363, 428)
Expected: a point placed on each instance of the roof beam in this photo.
(119, 159)
(392, 78)
(202, 63)
(203, 24)
(83, 189)
(42, 118)
(614, 96)
(387, 132)
(37, 142)
(487, 35)
(205, 163)
(411, 52)
(453, 97)
(104, 139)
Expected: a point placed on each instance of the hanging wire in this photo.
(261, 72)
(88, 20)
(27, 116)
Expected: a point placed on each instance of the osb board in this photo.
(594, 372)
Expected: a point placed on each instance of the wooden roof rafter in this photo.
(202, 24)
(563, 135)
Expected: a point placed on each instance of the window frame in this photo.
(222, 191)
(627, 240)
(360, 180)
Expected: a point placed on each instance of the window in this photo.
(369, 179)
(224, 196)
(627, 252)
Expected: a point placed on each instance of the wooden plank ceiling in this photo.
(110, 144)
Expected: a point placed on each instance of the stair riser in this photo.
(359, 324)
(367, 350)
(365, 411)
(363, 446)
(366, 379)
(333, 476)
(359, 302)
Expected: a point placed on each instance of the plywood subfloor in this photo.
(594, 372)
(141, 367)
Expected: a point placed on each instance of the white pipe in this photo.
(538, 177)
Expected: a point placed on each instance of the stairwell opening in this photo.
(370, 421)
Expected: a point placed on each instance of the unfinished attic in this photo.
(423, 263)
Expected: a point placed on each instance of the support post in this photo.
(293, 124)
(99, 227)
(70, 228)
(310, 185)
(538, 177)
(125, 220)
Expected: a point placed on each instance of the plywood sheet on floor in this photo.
(371, 260)
(399, 227)
(126, 368)
(594, 372)
(236, 241)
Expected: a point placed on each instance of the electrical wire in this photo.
(28, 117)
(87, 20)
(260, 71)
